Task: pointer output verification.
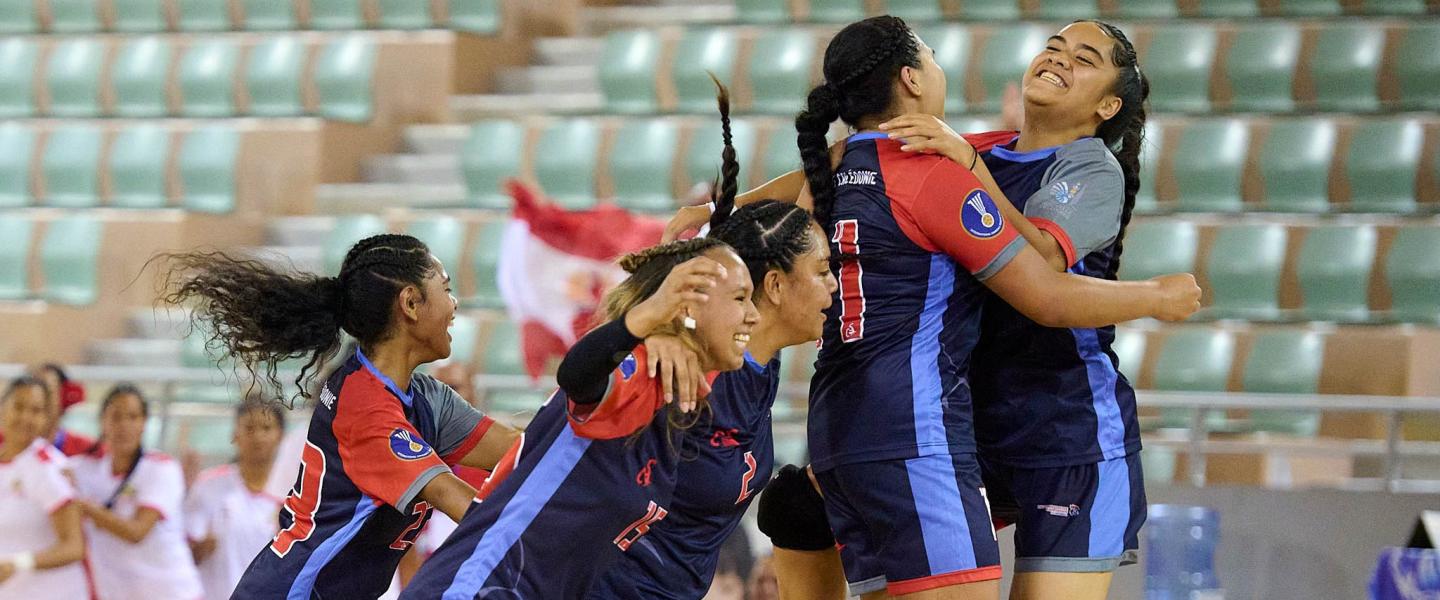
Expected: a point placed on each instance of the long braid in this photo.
(723, 192)
(1125, 132)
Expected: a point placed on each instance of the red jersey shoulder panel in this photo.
(630, 403)
(983, 142)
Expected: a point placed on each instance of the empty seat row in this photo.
(845, 11)
(1264, 66)
(139, 165)
(1345, 273)
(142, 16)
(68, 251)
(152, 76)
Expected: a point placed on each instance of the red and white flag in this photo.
(556, 264)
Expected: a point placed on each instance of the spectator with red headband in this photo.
(65, 393)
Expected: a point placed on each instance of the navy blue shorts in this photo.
(910, 525)
(1077, 519)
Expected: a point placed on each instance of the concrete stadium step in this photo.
(342, 198)
(597, 21)
(160, 322)
(135, 352)
(423, 169)
(446, 138)
(298, 231)
(484, 106)
(568, 51)
(548, 80)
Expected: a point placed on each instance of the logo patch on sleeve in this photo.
(980, 217)
(1065, 193)
(407, 446)
(627, 367)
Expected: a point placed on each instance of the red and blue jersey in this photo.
(370, 449)
(1051, 397)
(916, 235)
(584, 483)
(726, 461)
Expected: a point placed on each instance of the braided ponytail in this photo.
(722, 194)
(1125, 132)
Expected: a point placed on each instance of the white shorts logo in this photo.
(1056, 510)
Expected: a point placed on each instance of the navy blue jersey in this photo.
(916, 235)
(1049, 397)
(583, 483)
(353, 512)
(727, 459)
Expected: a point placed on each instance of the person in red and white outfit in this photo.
(39, 557)
(131, 499)
(229, 516)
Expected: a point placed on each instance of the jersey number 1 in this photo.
(302, 502)
(641, 526)
(852, 290)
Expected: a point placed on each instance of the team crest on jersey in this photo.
(627, 367)
(407, 446)
(980, 217)
(1065, 193)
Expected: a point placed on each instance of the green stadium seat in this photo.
(1383, 161)
(1285, 362)
(1154, 248)
(1295, 165)
(74, 16)
(136, 167)
(492, 155)
(18, 17)
(1159, 464)
(836, 11)
(270, 15)
(404, 14)
(272, 77)
(1147, 9)
(702, 158)
(1178, 63)
(1150, 147)
(566, 167)
(207, 79)
(990, 10)
(1129, 349)
(70, 166)
(780, 70)
(138, 77)
(348, 230)
(69, 257)
(1194, 360)
(762, 11)
(485, 263)
(336, 14)
(475, 16)
(915, 11)
(951, 43)
(1227, 8)
(1208, 176)
(642, 173)
(1334, 269)
(799, 363)
(464, 337)
(343, 77)
(1346, 66)
(1412, 270)
(1393, 7)
(628, 65)
(1310, 8)
(18, 59)
(16, 232)
(209, 436)
(73, 76)
(1244, 271)
(1417, 67)
(204, 15)
(702, 51)
(207, 169)
(1068, 9)
(1005, 58)
(504, 354)
(1261, 67)
(17, 153)
(781, 154)
(133, 16)
(445, 236)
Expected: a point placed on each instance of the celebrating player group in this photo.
(963, 292)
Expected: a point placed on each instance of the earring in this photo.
(688, 321)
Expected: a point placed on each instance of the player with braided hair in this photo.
(596, 468)
(729, 454)
(382, 437)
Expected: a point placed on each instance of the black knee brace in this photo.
(792, 512)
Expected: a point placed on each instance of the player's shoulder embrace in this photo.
(1088, 150)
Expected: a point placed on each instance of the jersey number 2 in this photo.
(852, 290)
(641, 526)
(747, 478)
(303, 502)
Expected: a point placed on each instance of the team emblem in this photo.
(1065, 193)
(627, 367)
(1057, 510)
(407, 446)
(980, 217)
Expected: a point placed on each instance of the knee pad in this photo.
(792, 513)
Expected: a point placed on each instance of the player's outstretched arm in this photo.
(1056, 299)
(496, 442)
(449, 494)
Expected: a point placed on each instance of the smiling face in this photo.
(725, 320)
(433, 312)
(1075, 75)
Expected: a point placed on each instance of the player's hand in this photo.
(6, 571)
(678, 369)
(690, 218)
(1179, 297)
(686, 287)
(927, 134)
